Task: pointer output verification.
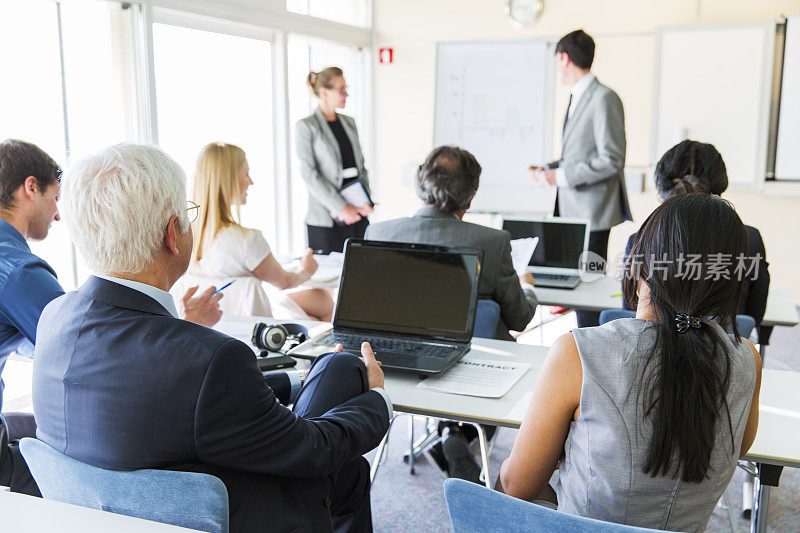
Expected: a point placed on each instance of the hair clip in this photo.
(683, 322)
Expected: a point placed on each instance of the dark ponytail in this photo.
(690, 166)
(686, 375)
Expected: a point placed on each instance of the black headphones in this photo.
(279, 338)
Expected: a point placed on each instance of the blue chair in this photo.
(746, 324)
(613, 314)
(187, 499)
(487, 315)
(476, 509)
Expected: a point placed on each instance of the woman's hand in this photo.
(365, 210)
(349, 215)
(308, 263)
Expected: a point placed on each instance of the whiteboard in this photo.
(787, 159)
(492, 99)
(712, 85)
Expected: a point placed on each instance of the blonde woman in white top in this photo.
(224, 249)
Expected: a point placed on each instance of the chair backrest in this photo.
(474, 508)
(744, 323)
(487, 315)
(608, 315)
(187, 499)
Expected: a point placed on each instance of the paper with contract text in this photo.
(477, 377)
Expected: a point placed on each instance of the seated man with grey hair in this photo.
(119, 382)
(447, 182)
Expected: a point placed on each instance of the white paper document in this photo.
(521, 253)
(238, 329)
(477, 377)
(329, 266)
(355, 195)
(518, 411)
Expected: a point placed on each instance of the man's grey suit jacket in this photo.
(321, 165)
(593, 160)
(498, 281)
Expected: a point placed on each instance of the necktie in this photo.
(566, 117)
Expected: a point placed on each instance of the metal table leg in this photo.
(768, 477)
(486, 476)
(748, 493)
(381, 451)
(411, 444)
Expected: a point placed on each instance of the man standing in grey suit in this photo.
(590, 174)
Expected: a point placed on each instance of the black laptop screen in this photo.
(398, 289)
(560, 243)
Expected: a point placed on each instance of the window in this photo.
(306, 54)
(93, 107)
(214, 87)
(353, 12)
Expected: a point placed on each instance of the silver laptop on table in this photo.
(415, 305)
(556, 260)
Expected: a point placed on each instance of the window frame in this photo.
(269, 21)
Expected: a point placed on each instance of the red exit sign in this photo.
(386, 56)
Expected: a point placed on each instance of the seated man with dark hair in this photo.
(121, 383)
(28, 194)
(447, 182)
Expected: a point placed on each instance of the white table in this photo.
(21, 513)
(776, 444)
(605, 293)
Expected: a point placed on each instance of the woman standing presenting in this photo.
(330, 160)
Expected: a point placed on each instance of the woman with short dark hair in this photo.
(692, 166)
(645, 418)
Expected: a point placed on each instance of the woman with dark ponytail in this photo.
(645, 418)
(692, 166)
(330, 157)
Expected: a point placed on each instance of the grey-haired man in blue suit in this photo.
(119, 382)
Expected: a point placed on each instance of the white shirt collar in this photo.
(163, 298)
(580, 87)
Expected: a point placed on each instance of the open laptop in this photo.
(414, 303)
(556, 260)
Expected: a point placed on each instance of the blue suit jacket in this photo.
(120, 384)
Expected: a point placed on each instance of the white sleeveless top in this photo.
(601, 470)
(232, 256)
(234, 252)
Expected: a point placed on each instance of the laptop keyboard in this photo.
(555, 277)
(352, 343)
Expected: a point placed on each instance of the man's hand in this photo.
(533, 170)
(365, 210)
(374, 372)
(549, 177)
(542, 175)
(203, 309)
(527, 277)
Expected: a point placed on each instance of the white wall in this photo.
(624, 60)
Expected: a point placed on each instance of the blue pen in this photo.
(222, 288)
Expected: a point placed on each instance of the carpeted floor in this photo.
(405, 502)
